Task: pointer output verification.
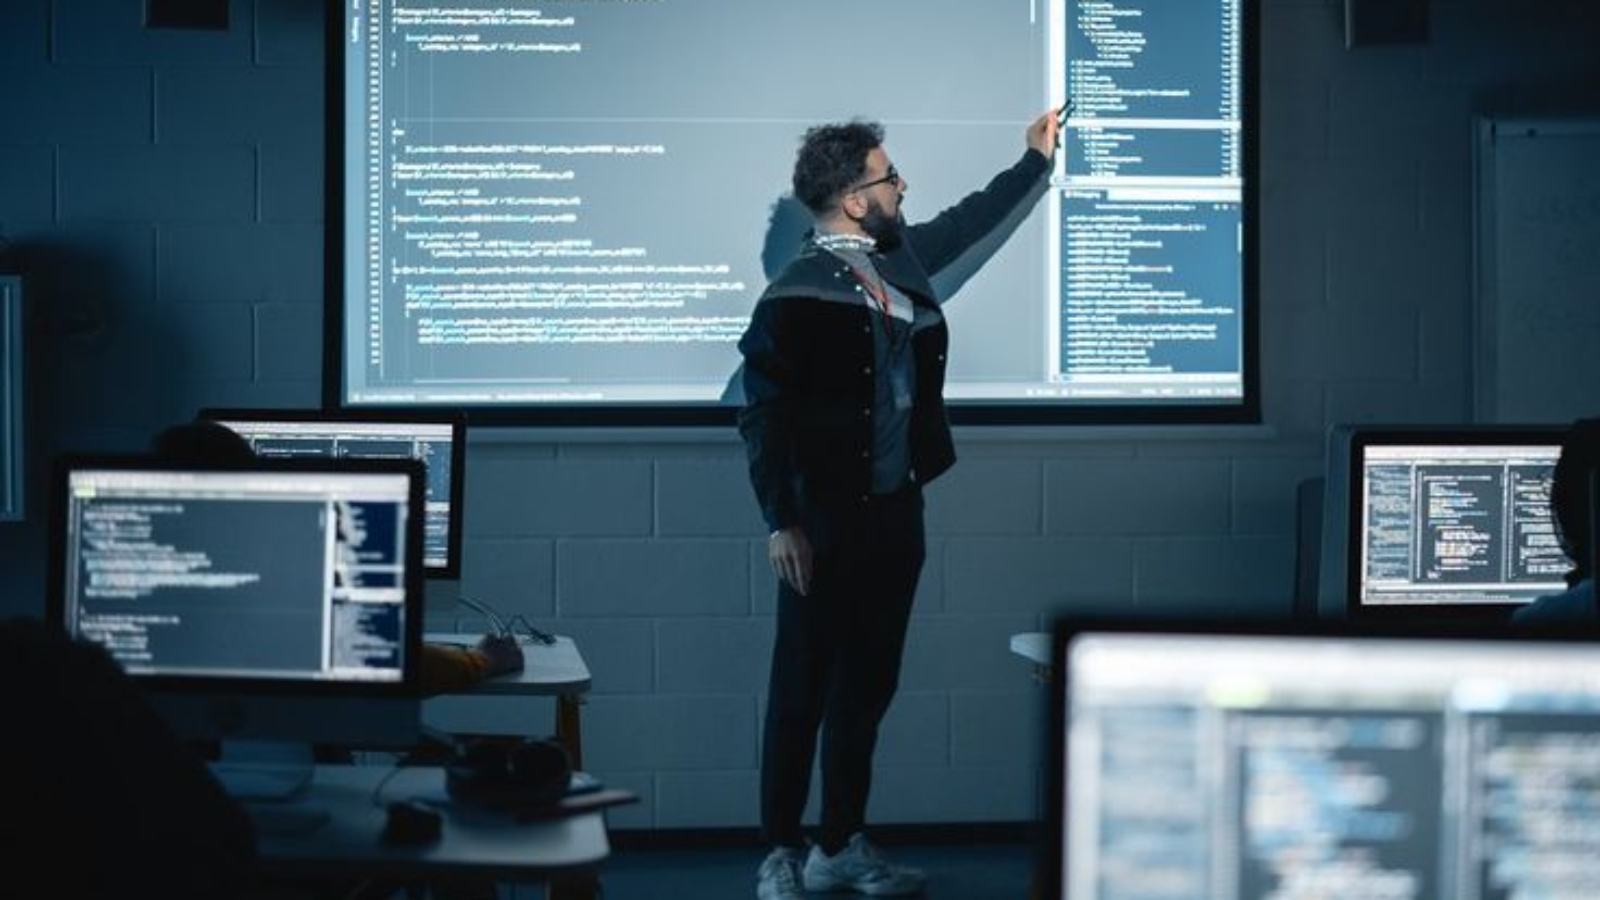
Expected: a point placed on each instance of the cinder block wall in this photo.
(162, 192)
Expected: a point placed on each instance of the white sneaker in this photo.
(779, 875)
(863, 868)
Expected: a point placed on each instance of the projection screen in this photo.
(563, 211)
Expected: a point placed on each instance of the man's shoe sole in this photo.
(871, 890)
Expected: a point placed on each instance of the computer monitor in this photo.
(1324, 759)
(1441, 521)
(438, 440)
(1594, 524)
(277, 601)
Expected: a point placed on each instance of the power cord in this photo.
(507, 627)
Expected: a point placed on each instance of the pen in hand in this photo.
(1064, 112)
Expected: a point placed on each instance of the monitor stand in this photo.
(270, 778)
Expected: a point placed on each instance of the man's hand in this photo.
(1044, 133)
(790, 554)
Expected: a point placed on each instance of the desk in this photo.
(474, 842)
(1034, 646)
(549, 670)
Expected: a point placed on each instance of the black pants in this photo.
(836, 663)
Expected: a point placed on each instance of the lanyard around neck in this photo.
(879, 292)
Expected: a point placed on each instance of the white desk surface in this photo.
(548, 669)
(474, 841)
(1033, 645)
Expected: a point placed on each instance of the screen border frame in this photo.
(1594, 523)
(1375, 436)
(1244, 410)
(13, 400)
(1064, 628)
(400, 416)
(409, 686)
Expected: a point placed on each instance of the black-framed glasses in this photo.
(893, 177)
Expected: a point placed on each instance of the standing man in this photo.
(844, 364)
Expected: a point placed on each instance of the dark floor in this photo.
(988, 871)
(986, 868)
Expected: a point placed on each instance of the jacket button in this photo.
(867, 328)
(866, 454)
(866, 413)
(866, 498)
(866, 370)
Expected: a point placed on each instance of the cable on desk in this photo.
(377, 789)
(534, 634)
(507, 627)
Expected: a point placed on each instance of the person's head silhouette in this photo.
(1569, 495)
(202, 441)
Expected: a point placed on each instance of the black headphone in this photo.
(508, 776)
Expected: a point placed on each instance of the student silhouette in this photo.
(104, 799)
(1569, 507)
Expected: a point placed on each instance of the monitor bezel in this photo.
(1064, 629)
(1444, 435)
(457, 421)
(202, 695)
(1594, 523)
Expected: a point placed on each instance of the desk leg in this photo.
(569, 731)
(576, 887)
(569, 727)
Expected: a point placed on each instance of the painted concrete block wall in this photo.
(162, 193)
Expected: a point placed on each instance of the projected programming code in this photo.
(578, 203)
(509, 257)
(1151, 212)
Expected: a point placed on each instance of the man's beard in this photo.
(882, 227)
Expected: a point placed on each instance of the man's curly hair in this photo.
(831, 159)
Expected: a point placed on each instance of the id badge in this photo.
(900, 389)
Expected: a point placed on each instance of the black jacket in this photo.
(808, 358)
